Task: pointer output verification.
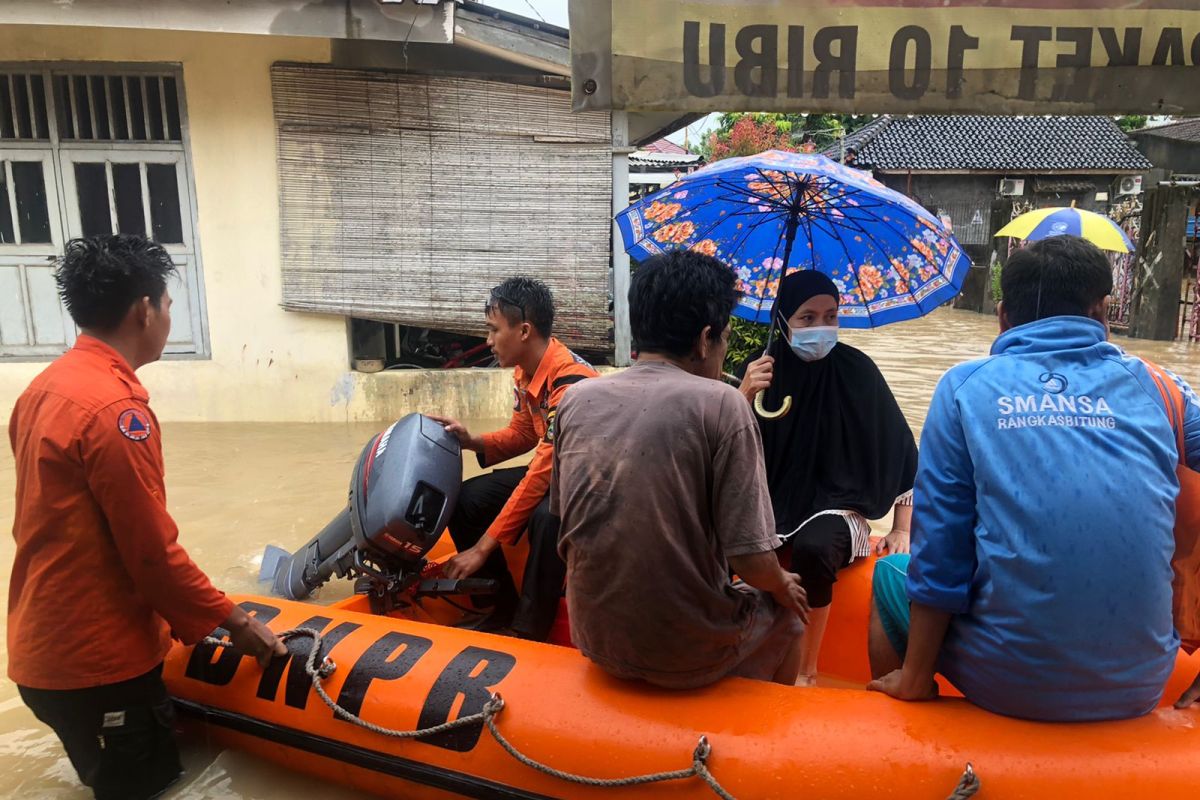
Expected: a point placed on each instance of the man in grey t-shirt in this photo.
(660, 484)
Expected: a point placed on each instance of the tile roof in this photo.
(646, 158)
(665, 146)
(1187, 130)
(996, 144)
(857, 140)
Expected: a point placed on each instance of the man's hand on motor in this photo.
(892, 685)
(253, 638)
(460, 432)
(469, 561)
(1191, 696)
(758, 377)
(792, 595)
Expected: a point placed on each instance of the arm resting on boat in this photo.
(914, 681)
(898, 540)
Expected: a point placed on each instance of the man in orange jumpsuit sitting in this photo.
(99, 582)
(496, 508)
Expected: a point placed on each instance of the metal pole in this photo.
(622, 338)
(790, 237)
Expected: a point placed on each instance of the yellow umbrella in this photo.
(1046, 222)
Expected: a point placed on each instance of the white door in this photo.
(144, 193)
(33, 322)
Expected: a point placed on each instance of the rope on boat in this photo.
(968, 784)
(487, 716)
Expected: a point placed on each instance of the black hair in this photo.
(674, 296)
(523, 299)
(1058, 276)
(100, 277)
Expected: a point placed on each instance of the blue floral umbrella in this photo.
(774, 213)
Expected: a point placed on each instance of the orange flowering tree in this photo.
(742, 134)
(750, 134)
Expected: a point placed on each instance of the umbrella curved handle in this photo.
(762, 411)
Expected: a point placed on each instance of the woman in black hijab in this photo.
(843, 455)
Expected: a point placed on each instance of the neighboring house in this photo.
(304, 163)
(979, 171)
(659, 164)
(1174, 149)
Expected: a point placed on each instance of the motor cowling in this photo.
(403, 490)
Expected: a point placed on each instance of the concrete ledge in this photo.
(206, 392)
(461, 393)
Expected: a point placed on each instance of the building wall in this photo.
(1171, 155)
(266, 364)
(972, 196)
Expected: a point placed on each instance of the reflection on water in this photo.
(236, 488)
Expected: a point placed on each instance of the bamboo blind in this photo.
(405, 198)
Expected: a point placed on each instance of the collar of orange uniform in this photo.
(117, 363)
(542, 376)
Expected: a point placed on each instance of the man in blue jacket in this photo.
(1040, 576)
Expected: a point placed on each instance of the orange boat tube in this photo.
(768, 741)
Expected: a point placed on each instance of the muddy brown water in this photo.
(235, 488)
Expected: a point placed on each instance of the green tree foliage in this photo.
(746, 341)
(1131, 122)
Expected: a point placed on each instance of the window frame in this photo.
(63, 207)
(53, 209)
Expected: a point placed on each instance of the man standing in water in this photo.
(1040, 574)
(496, 508)
(100, 583)
(660, 484)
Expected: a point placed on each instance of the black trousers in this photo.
(479, 503)
(118, 737)
(819, 550)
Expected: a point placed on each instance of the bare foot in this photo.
(807, 681)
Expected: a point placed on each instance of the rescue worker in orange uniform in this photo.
(496, 508)
(100, 583)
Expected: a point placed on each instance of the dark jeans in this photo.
(819, 550)
(118, 736)
(479, 503)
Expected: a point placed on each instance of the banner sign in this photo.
(888, 56)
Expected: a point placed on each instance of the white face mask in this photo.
(812, 344)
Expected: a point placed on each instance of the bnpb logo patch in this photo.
(134, 425)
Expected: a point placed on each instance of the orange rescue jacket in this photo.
(535, 403)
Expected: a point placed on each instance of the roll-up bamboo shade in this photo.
(405, 198)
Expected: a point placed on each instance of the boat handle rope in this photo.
(967, 786)
(486, 716)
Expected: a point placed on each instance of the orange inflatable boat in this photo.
(397, 664)
(767, 741)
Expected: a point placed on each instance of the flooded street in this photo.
(234, 488)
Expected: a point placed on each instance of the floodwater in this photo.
(235, 488)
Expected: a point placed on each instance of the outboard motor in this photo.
(402, 493)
